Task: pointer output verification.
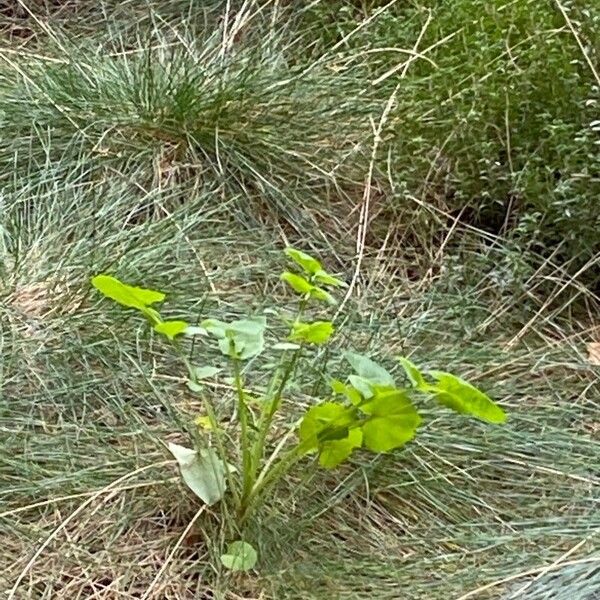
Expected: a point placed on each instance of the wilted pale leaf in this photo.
(203, 472)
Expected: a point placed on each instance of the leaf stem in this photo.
(247, 470)
(273, 403)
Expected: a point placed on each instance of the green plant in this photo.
(368, 410)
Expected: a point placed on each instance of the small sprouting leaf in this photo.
(171, 329)
(413, 373)
(308, 264)
(297, 283)
(205, 372)
(240, 556)
(318, 332)
(204, 422)
(369, 369)
(462, 397)
(326, 421)
(325, 278)
(302, 286)
(127, 295)
(203, 472)
(321, 294)
(347, 390)
(334, 452)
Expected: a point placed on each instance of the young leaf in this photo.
(413, 373)
(204, 422)
(334, 452)
(369, 369)
(297, 283)
(462, 397)
(322, 422)
(239, 339)
(325, 278)
(393, 420)
(240, 556)
(321, 294)
(127, 295)
(317, 333)
(307, 263)
(171, 329)
(202, 471)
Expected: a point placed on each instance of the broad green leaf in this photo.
(205, 372)
(297, 283)
(202, 471)
(334, 452)
(240, 556)
(231, 347)
(361, 385)
(369, 369)
(308, 264)
(388, 401)
(462, 397)
(249, 328)
(329, 420)
(325, 278)
(127, 295)
(346, 390)
(318, 332)
(413, 373)
(382, 434)
(215, 327)
(171, 329)
(393, 420)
